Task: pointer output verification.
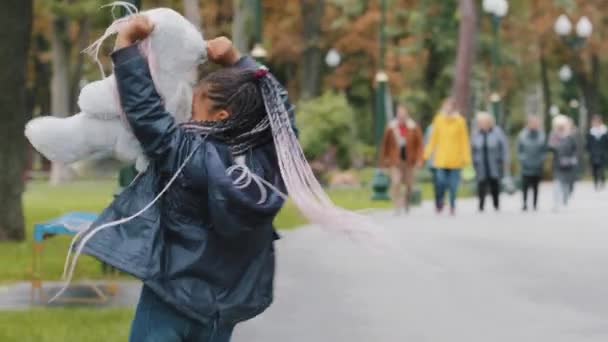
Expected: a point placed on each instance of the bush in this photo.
(324, 122)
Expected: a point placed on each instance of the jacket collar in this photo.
(597, 132)
(409, 123)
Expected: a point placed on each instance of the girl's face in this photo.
(203, 108)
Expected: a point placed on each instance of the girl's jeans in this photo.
(447, 180)
(156, 321)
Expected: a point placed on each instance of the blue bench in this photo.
(68, 224)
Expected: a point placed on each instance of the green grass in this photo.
(42, 202)
(65, 325)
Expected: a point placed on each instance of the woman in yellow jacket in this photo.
(450, 151)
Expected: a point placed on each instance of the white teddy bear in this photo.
(174, 50)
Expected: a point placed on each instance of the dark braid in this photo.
(238, 92)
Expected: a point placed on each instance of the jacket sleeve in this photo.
(520, 148)
(506, 157)
(420, 151)
(382, 156)
(466, 144)
(153, 126)
(432, 142)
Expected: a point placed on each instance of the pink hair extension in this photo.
(303, 187)
(247, 176)
(91, 232)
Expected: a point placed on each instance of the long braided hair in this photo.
(258, 115)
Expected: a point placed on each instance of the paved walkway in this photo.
(495, 277)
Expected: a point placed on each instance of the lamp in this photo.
(563, 25)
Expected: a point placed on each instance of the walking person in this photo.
(451, 151)
(597, 147)
(531, 153)
(490, 158)
(563, 144)
(401, 152)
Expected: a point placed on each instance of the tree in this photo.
(312, 57)
(242, 25)
(70, 29)
(465, 57)
(15, 37)
(60, 85)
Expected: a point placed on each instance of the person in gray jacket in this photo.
(565, 159)
(490, 150)
(531, 153)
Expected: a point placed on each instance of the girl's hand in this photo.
(137, 28)
(221, 51)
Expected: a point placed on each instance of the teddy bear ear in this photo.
(99, 99)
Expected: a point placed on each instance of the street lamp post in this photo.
(496, 9)
(332, 60)
(258, 52)
(575, 37)
(569, 97)
(381, 182)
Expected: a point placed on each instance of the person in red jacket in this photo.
(402, 152)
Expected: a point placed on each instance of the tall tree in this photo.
(60, 84)
(242, 24)
(312, 58)
(465, 56)
(16, 15)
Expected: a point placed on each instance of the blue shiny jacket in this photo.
(205, 247)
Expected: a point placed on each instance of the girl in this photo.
(196, 227)
(450, 149)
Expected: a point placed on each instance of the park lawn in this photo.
(66, 325)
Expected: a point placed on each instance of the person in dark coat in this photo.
(490, 150)
(563, 144)
(597, 147)
(531, 153)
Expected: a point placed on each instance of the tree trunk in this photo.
(242, 25)
(312, 59)
(548, 102)
(16, 16)
(60, 87)
(76, 76)
(192, 12)
(589, 88)
(592, 87)
(465, 57)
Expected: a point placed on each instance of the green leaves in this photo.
(325, 122)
